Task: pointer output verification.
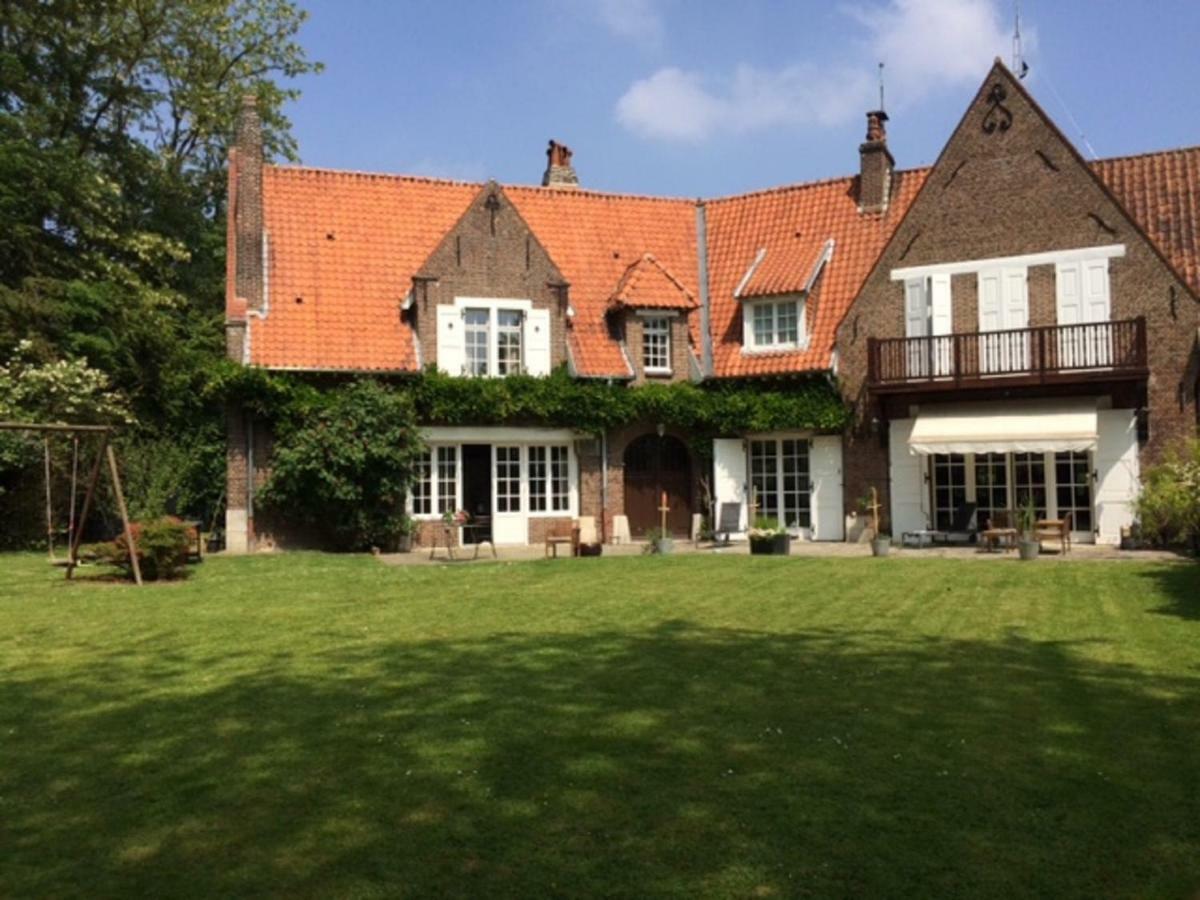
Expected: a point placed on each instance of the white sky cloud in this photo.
(925, 45)
(636, 20)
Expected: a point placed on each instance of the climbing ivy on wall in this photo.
(720, 408)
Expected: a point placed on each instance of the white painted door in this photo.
(729, 477)
(907, 485)
(1084, 305)
(941, 324)
(509, 520)
(1003, 309)
(1116, 472)
(825, 471)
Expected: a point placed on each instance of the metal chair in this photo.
(729, 522)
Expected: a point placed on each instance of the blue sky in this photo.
(690, 98)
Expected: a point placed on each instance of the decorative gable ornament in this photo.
(998, 116)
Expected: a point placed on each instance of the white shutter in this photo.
(907, 484)
(1095, 300)
(941, 322)
(1117, 472)
(825, 466)
(916, 323)
(729, 477)
(450, 340)
(537, 342)
(1016, 298)
(991, 310)
(1068, 292)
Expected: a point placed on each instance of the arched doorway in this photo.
(653, 465)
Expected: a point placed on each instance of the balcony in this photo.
(1054, 354)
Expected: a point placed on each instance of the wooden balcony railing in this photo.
(1051, 353)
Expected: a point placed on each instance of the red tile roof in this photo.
(343, 248)
(593, 238)
(647, 284)
(793, 224)
(1162, 193)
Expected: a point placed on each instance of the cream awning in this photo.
(1029, 426)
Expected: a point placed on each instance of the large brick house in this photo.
(1012, 321)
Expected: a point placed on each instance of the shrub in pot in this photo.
(659, 542)
(769, 538)
(1028, 546)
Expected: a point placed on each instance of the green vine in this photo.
(558, 400)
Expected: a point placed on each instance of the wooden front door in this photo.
(653, 465)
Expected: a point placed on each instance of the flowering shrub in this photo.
(162, 549)
(1168, 508)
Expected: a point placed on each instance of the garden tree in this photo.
(342, 462)
(115, 116)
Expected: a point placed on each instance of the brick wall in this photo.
(489, 253)
(633, 326)
(1009, 192)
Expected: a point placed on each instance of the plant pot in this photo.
(1028, 549)
(775, 545)
(881, 545)
(591, 549)
(404, 543)
(664, 546)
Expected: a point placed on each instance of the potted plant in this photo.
(881, 542)
(404, 533)
(659, 542)
(769, 538)
(1027, 543)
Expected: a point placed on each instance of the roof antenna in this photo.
(1018, 60)
(881, 106)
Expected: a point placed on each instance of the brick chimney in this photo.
(876, 164)
(559, 171)
(248, 200)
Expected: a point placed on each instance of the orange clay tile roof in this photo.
(1162, 193)
(593, 238)
(738, 227)
(786, 267)
(343, 248)
(646, 284)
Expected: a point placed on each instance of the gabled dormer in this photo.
(651, 312)
(775, 296)
(489, 301)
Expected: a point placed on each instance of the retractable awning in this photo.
(1030, 426)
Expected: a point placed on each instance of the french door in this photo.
(1000, 484)
(1085, 308)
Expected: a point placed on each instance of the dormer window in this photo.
(775, 324)
(656, 345)
(493, 341)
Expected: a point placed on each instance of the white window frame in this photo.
(749, 339)
(430, 474)
(661, 326)
(558, 503)
(778, 440)
(493, 307)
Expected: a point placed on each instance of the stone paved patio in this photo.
(1079, 552)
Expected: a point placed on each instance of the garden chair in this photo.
(560, 534)
(962, 527)
(730, 521)
(1055, 530)
(999, 531)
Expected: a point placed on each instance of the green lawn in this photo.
(316, 726)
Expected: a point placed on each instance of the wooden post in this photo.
(49, 508)
(873, 506)
(664, 509)
(129, 541)
(93, 477)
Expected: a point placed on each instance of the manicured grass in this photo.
(315, 726)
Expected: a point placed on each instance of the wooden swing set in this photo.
(104, 451)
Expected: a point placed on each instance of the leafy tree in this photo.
(115, 118)
(1168, 508)
(343, 463)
